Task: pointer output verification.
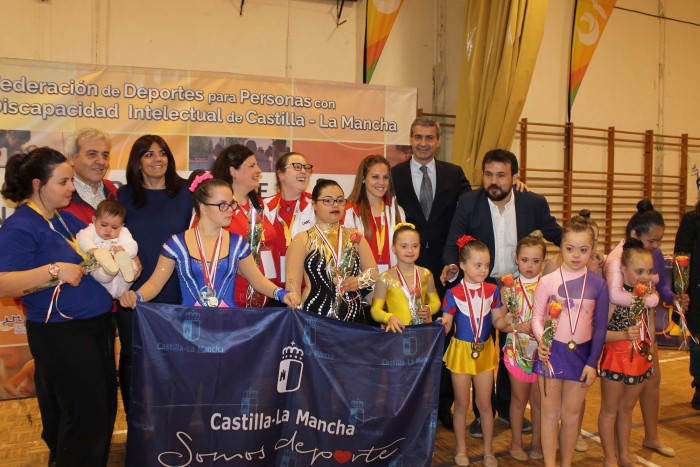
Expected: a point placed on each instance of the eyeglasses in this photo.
(224, 206)
(331, 201)
(298, 166)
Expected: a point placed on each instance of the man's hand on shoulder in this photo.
(448, 273)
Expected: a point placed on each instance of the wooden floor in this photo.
(679, 426)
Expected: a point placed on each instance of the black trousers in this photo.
(124, 318)
(76, 388)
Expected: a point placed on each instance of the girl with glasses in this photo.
(334, 263)
(289, 210)
(208, 259)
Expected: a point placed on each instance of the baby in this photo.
(112, 245)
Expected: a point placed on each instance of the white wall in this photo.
(643, 75)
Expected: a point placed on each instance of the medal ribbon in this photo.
(574, 325)
(334, 254)
(72, 241)
(209, 271)
(526, 300)
(380, 231)
(476, 330)
(404, 285)
(287, 228)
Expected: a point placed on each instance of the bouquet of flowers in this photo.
(550, 330)
(508, 293)
(415, 303)
(636, 314)
(681, 272)
(254, 235)
(343, 269)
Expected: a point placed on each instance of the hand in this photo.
(683, 300)
(633, 333)
(524, 327)
(394, 324)
(71, 273)
(543, 351)
(652, 299)
(424, 313)
(349, 284)
(128, 299)
(446, 323)
(519, 185)
(588, 375)
(448, 272)
(292, 300)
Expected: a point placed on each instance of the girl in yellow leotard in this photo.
(405, 294)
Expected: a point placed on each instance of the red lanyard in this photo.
(404, 284)
(574, 325)
(209, 270)
(476, 330)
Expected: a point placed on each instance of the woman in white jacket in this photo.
(290, 210)
(372, 208)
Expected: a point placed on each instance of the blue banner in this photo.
(272, 386)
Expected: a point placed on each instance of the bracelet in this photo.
(139, 297)
(279, 294)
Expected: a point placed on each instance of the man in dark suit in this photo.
(427, 189)
(499, 216)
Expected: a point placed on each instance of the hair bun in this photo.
(644, 205)
(536, 234)
(585, 213)
(632, 243)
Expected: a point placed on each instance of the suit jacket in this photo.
(473, 217)
(83, 211)
(450, 184)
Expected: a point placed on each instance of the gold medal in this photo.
(650, 357)
(475, 354)
(571, 346)
(478, 346)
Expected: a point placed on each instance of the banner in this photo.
(279, 387)
(590, 19)
(381, 15)
(335, 125)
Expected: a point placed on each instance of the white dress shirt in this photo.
(505, 236)
(417, 175)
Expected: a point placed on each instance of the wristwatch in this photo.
(54, 270)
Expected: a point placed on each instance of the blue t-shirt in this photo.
(151, 225)
(29, 242)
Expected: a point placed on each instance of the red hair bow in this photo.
(463, 240)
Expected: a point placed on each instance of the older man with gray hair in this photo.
(87, 150)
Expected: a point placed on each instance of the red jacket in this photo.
(84, 211)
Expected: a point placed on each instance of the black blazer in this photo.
(688, 241)
(450, 184)
(473, 217)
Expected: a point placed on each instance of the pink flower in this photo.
(355, 237)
